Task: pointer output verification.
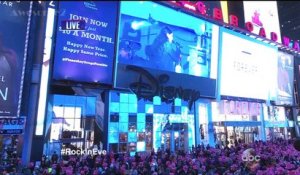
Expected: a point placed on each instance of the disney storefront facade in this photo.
(166, 96)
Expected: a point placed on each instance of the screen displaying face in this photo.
(13, 46)
(158, 37)
(285, 78)
(248, 67)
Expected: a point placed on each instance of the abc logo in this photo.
(249, 155)
(250, 158)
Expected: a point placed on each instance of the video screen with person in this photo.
(285, 78)
(13, 33)
(149, 36)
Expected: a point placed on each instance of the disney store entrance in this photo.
(175, 137)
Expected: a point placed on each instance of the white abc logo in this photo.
(251, 158)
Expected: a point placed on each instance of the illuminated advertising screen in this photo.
(248, 68)
(13, 48)
(86, 55)
(158, 37)
(263, 14)
(275, 114)
(285, 78)
(209, 6)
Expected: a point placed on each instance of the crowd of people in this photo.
(277, 157)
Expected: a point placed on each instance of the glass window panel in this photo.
(132, 118)
(132, 137)
(56, 128)
(113, 137)
(141, 117)
(141, 136)
(123, 137)
(149, 127)
(132, 127)
(124, 98)
(114, 107)
(132, 108)
(58, 111)
(90, 106)
(77, 124)
(123, 107)
(141, 146)
(132, 99)
(149, 118)
(123, 117)
(141, 127)
(114, 117)
(123, 127)
(113, 127)
(78, 113)
(69, 112)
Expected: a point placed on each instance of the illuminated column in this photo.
(172, 141)
(211, 140)
(262, 119)
(34, 134)
(197, 118)
(29, 128)
(31, 99)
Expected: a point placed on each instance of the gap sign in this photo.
(73, 25)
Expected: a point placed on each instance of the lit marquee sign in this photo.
(200, 8)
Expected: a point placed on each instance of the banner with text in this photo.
(85, 55)
(12, 125)
(13, 33)
(247, 64)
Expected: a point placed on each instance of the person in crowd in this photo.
(54, 157)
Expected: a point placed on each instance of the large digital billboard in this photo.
(13, 47)
(285, 78)
(297, 78)
(158, 37)
(263, 14)
(86, 55)
(248, 68)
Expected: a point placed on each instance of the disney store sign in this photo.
(147, 86)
